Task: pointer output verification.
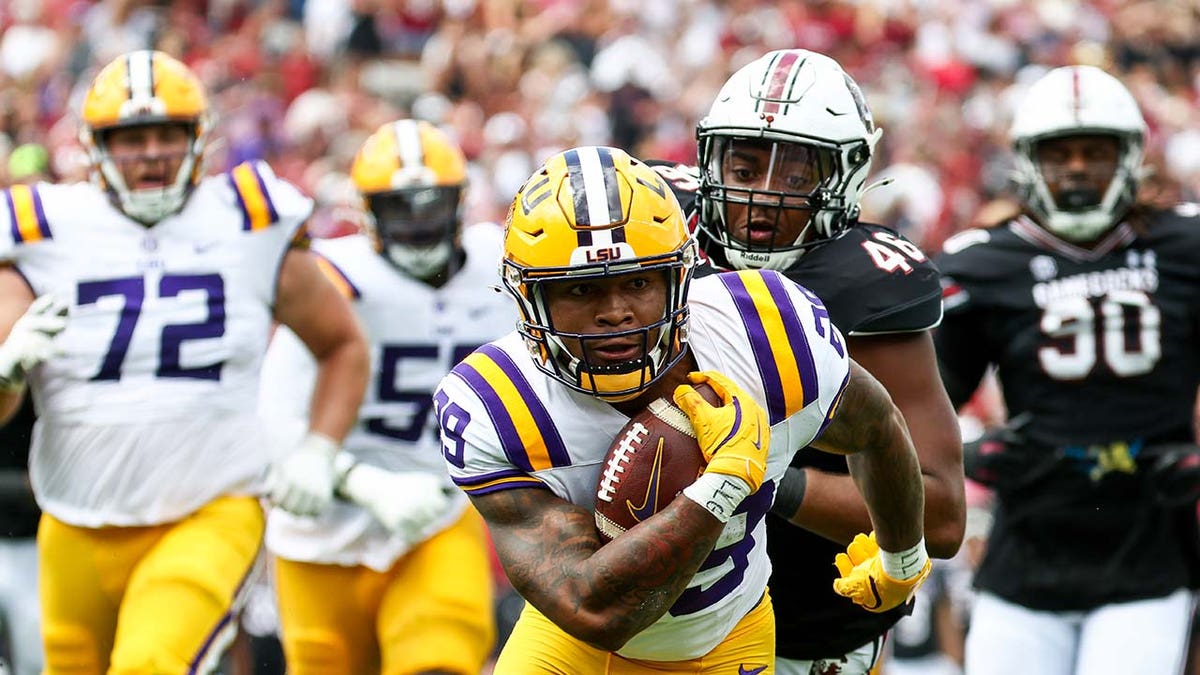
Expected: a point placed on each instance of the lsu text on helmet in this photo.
(810, 123)
(596, 212)
(1077, 101)
(143, 88)
(412, 179)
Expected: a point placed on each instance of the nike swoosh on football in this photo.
(753, 671)
(650, 501)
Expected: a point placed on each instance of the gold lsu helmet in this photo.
(145, 88)
(597, 212)
(412, 179)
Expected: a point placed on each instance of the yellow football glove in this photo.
(864, 581)
(734, 437)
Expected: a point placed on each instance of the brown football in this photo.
(654, 456)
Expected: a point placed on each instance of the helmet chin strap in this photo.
(603, 383)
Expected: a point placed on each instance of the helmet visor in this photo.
(417, 217)
(770, 189)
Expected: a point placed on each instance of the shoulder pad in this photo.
(265, 199)
(683, 180)
(873, 281)
(337, 276)
(528, 435)
(966, 239)
(780, 318)
(26, 219)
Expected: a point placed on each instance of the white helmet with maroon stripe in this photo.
(1078, 101)
(807, 110)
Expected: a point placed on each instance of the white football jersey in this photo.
(507, 425)
(416, 333)
(149, 412)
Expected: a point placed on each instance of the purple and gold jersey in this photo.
(149, 412)
(505, 425)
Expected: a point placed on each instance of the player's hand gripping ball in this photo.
(652, 458)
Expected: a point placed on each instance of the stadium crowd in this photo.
(303, 83)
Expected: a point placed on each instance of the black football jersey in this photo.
(873, 281)
(1101, 348)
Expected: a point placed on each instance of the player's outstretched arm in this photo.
(829, 504)
(871, 431)
(884, 569)
(311, 306)
(603, 594)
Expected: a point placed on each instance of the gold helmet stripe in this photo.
(597, 195)
(409, 150)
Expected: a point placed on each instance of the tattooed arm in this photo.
(883, 464)
(601, 594)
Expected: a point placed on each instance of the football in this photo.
(654, 456)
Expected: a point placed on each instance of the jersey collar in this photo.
(1119, 237)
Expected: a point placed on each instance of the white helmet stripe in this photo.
(597, 194)
(140, 65)
(408, 144)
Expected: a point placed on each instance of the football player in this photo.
(1087, 306)
(138, 307)
(406, 542)
(784, 155)
(600, 262)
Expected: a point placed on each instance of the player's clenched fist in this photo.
(864, 580)
(734, 436)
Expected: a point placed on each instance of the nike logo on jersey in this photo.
(201, 247)
(650, 501)
(743, 670)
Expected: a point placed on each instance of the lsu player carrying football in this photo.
(785, 151)
(396, 579)
(1086, 305)
(598, 258)
(138, 308)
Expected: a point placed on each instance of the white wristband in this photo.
(718, 493)
(906, 564)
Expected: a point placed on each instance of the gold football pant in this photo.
(431, 611)
(156, 600)
(538, 646)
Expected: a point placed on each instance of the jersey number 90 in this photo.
(1121, 329)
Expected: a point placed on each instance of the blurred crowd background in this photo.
(302, 82)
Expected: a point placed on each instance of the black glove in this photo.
(994, 459)
(1173, 470)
